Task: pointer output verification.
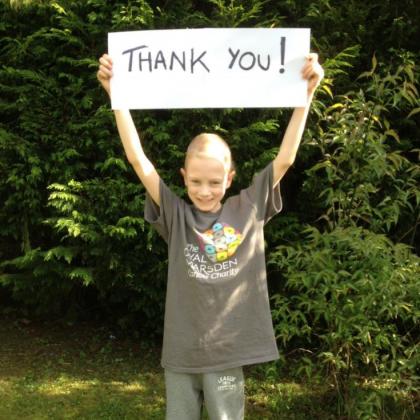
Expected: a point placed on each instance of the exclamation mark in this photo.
(282, 52)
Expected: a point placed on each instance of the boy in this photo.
(217, 313)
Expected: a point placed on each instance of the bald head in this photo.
(212, 146)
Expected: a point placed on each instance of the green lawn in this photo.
(84, 372)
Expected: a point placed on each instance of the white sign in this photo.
(208, 68)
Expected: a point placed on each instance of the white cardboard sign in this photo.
(208, 68)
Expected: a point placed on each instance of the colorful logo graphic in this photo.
(220, 242)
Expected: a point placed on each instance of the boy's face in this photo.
(207, 180)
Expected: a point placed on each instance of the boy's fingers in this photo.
(100, 76)
(311, 61)
(308, 72)
(312, 72)
(104, 74)
(309, 64)
(105, 62)
(105, 67)
(312, 69)
(312, 57)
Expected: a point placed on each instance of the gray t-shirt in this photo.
(217, 313)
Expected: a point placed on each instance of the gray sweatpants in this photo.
(222, 393)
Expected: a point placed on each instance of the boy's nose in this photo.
(204, 191)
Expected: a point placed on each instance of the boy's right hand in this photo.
(104, 73)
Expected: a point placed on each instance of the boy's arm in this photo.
(135, 154)
(313, 73)
(130, 138)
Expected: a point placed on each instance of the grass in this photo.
(84, 372)
(61, 372)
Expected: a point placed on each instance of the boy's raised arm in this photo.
(130, 138)
(313, 73)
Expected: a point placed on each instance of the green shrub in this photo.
(366, 171)
(351, 306)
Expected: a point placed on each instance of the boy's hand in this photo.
(104, 73)
(312, 72)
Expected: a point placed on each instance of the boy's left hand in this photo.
(313, 72)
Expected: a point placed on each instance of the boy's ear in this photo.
(182, 170)
(230, 177)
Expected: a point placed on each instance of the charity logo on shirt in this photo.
(213, 258)
(220, 242)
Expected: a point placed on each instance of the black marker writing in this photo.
(282, 53)
(160, 60)
(131, 50)
(180, 62)
(198, 60)
(234, 56)
(247, 60)
(164, 61)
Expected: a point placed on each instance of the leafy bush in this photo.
(351, 305)
(366, 173)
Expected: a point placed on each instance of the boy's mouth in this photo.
(205, 204)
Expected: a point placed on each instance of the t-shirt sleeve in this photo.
(161, 217)
(261, 193)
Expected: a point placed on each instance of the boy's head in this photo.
(208, 171)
